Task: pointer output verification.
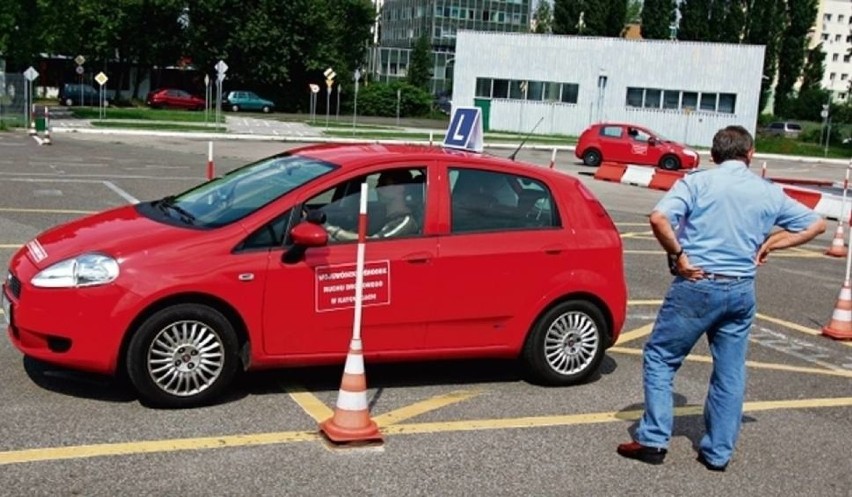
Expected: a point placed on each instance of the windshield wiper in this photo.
(169, 203)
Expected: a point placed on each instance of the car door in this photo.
(613, 143)
(498, 253)
(308, 304)
(640, 149)
(251, 102)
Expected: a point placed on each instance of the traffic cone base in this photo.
(351, 422)
(837, 247)
(840, 326)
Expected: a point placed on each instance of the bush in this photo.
(379, 99)
(817, 135)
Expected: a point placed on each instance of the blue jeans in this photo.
(724, 310)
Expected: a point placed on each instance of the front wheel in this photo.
(182, 356)
(566, 345)
(670, 163)
(266, 109)
(235, 108)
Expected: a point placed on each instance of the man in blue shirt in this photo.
(715, 226)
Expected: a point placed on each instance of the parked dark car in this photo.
(785, 129)
(173, 98)
(77, 94)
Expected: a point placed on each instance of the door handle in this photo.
(418, 258)
(554, 249)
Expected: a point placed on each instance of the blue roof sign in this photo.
(465, 130)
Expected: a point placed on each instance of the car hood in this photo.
(116, 232)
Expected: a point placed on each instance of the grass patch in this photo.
(786, 146)
(145, 114)
(156, 126)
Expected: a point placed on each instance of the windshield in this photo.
(242, 191)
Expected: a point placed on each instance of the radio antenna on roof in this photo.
(512, 157)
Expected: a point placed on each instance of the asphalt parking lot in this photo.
(458, 428)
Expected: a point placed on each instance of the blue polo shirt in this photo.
(723, 215)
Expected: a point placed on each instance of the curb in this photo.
(324, 139)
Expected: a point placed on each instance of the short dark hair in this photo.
(394, 177)
(731, 143)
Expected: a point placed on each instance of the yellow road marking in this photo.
(11, 246)
(309, 403)
(418, 408)
(640, 332)
(46, 211)
(634, 234)
(187, 444)
(752, 364)
(644, 302)
(797, 327)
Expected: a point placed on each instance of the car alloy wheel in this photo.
(182, 356)
(566, 344)
(670, 163)
(235, 108)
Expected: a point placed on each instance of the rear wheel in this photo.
(566, 345)
(592, 157)
(182, 356)
(235, 108)
(670, 163)
(266, 109)
(69, 102)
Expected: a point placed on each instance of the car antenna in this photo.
(512, 157)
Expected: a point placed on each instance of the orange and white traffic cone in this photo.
(351, 421)
(838, 245)
(840, 326)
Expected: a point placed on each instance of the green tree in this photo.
(543, 17)
(657, 17)
(20, 34)
(634, 11)
(420, 65)
(566, 16)
(764, 26)
(616, 18)
(694, 20)
(799, 17)
(733, 21)
(814, 69)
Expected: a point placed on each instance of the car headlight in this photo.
(83, 270)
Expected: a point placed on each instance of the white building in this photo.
(683, 90)
(833, 29)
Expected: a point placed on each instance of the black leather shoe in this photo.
(635, 450)
(712, 467)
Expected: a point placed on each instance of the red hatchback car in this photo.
(632, 144)
(241, 272)
(171, 98)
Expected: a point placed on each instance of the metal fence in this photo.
(13, 99)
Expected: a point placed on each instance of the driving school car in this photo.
(629, 143)
(182, 293)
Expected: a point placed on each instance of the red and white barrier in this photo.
(211, 169)
(828, 205)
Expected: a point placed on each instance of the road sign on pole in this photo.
(329, 81)
(221, 68)
(80, 60)
(101, 79)
(357, 77)
(30, 74)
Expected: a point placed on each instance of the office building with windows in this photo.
(402, 22)
(562, 84)
(833, 28)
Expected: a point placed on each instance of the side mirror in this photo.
(304, 236)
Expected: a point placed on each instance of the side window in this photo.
(611, 131)
(269, 235)
(483, 201)
(638, 135)
(395, 205)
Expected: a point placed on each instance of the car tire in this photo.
(670, 163)
(266, 109)
(592, 157)
(69, 102)
(182, 356)
(566, 345)
(235, 108)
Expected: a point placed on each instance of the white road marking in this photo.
(123, 194)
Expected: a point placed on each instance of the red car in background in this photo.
(632, 144)
(509, 260)
(173, 98)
